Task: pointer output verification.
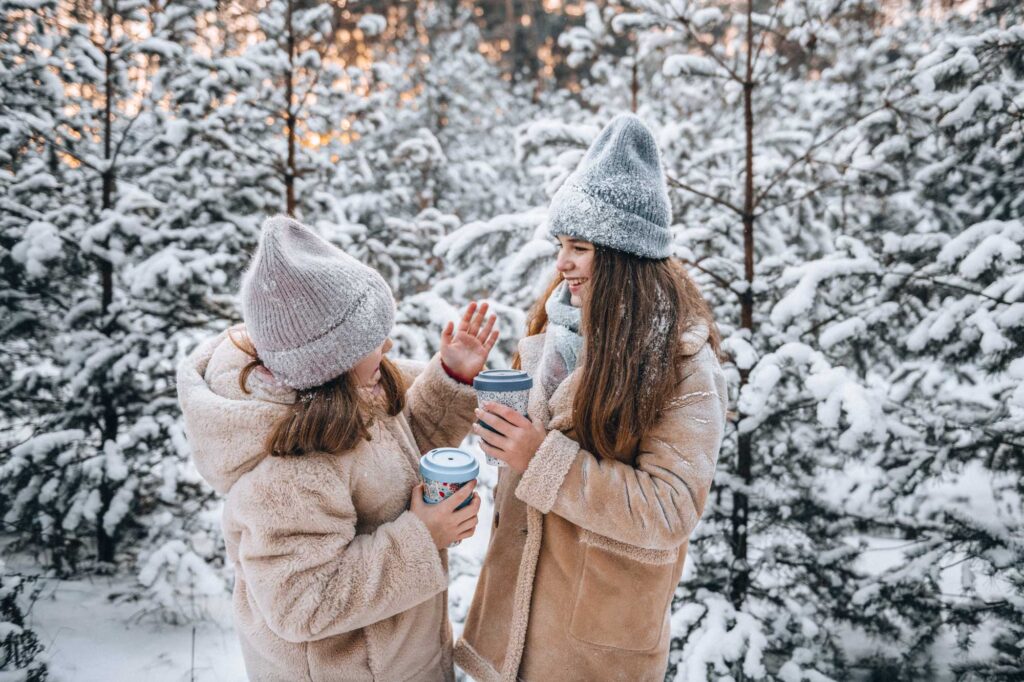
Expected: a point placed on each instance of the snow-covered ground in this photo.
(92, 636)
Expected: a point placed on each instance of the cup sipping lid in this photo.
(449, 465)
(503, 380)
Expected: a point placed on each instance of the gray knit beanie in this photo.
(617, 197)
(311, 310)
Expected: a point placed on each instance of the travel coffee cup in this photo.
(509, 387)
(444, 471)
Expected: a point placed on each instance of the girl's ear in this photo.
(266, 375)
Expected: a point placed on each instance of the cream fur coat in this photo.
(334, 578)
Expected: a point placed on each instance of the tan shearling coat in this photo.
(585, 554)
(334, 579)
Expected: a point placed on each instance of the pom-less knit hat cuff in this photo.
(574, 213)
(318, 361)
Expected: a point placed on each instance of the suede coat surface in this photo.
(585, 553)
(334, 579)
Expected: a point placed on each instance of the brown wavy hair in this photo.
(332, 417)
(633, 322)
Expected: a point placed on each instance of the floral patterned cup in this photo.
(444, 471)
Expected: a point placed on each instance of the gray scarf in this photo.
(562, 343)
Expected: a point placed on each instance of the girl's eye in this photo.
(579, 249)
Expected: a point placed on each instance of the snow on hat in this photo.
(311, 310)
(617, 196)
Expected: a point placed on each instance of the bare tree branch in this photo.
(797, 199)
(706, 48)
(721, 281)
(124, 135)
(722, 202)
(49, 139)
(805, 157)
(765, 31)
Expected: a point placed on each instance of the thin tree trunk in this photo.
(290, 117)
(635, 84)
(510, 29)
(106, 544)
(106, 267)
(744, 450)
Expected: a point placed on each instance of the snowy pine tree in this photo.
(946, 323)
(782, 565)
(845, 178)
(99, 451)
(442, 155)
(20, 649)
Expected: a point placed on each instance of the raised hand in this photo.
(464, 349)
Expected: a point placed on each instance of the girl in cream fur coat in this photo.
(313, 436)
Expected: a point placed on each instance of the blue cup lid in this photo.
(449, 465)
(501, 380)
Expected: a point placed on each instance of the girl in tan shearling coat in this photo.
(609, 475)
(308, 430)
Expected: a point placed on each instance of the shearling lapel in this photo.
(530, 348)
(529, 355)
(560, 405)
(400, 431)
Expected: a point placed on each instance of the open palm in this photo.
(464, 349)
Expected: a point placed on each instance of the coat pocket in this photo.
(622, 594)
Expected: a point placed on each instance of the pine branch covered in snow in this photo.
(867, 280)
(114, 265)
(22, 655)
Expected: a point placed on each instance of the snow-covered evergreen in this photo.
(849, 199)
(821, 329)
(21, 652)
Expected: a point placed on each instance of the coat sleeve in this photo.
(654, 503)
(438, 408)
(308, 571)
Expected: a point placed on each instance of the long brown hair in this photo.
(332, 417)
(633, 322)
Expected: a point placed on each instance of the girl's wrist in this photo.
(455, 375)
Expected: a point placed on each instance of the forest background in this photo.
(847, 186)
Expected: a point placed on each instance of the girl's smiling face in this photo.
(575, 261)
(367, 370)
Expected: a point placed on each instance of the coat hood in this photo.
(227, 428)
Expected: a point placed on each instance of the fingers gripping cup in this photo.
(509, 387)
(444, 471)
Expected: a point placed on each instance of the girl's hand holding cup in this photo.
(514, 438)
(449, 477)
(446, 522)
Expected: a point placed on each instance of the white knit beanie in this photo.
(311, 310)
